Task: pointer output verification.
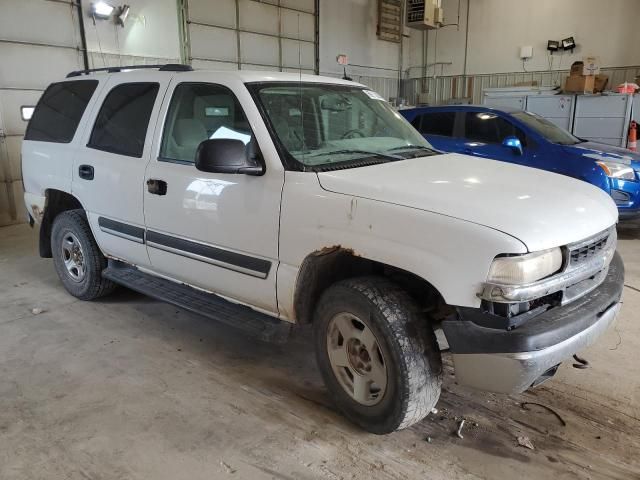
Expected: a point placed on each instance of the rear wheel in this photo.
(377, 354)
(77, 259)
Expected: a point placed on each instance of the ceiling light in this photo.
(123, 13)
(101, 9)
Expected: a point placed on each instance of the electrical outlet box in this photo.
(526, 52)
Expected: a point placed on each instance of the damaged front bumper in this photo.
(510, 361)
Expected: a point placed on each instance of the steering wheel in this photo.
(352, 134)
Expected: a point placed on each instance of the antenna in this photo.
(299, 52)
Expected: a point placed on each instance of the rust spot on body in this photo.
(38, 213)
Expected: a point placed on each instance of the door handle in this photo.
(86, 172)
(157, 187)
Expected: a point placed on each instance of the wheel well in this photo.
(56, 202)
(323, 268)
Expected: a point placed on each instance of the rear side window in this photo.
(121, 124)
(437, 123)
(487, 127)
(59, 111)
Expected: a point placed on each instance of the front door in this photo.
(108, 173)
(484, 133)
(214, 231)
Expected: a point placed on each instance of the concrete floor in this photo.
(131, 388)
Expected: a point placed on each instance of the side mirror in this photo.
(514, 144)
(224, 155)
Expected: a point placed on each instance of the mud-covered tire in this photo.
(72, 224)
(406, 342)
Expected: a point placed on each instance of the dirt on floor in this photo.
(131, 388)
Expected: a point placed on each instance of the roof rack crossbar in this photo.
(167, 67)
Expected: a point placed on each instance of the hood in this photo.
(601, 151)
(540, 208)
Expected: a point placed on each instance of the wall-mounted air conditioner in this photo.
(424, 14)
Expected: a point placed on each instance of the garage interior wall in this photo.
(349, 27)
(250, 35)
(149, 36)
(32, 58)
(461, 66)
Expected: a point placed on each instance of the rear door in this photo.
(484, 133)
(108, 172)
(439, 129)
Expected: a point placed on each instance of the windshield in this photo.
(548, 130)
(321, 125)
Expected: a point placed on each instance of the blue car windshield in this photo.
(548, 130)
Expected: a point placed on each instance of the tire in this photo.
(405, 345)
(79, 269)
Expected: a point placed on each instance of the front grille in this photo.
(585, 252)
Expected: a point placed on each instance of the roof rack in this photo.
(167, 67)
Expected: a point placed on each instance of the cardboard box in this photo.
(587, 66)
(600, 83)
(576, 68)
(580, 84)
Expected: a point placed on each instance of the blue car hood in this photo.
(601, 151)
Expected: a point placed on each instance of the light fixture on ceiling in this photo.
(122, 14)
(102, 9)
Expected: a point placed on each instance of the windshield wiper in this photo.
(363, 152)
(413, 147)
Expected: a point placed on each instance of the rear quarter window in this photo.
(59, 111)
(121, 125)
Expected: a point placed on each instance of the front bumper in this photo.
(626, 215)
(510, 361)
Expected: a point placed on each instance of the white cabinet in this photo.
(603, 118)
(512, 97)
(558, 109)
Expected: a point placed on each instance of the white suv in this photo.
(265, 200)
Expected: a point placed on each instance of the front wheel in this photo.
(378, 357)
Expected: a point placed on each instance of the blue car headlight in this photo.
(617, 170)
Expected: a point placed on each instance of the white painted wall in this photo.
(151, 31)
(497, 29)
(349, 27)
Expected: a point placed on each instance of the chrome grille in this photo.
(585, 252)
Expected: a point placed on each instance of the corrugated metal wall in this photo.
(250, 34)
(445, 88)
(98, 60)
(39, 43)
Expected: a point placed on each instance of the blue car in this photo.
(525, 138)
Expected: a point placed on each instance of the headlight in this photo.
(617, 170)
(523, 269)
